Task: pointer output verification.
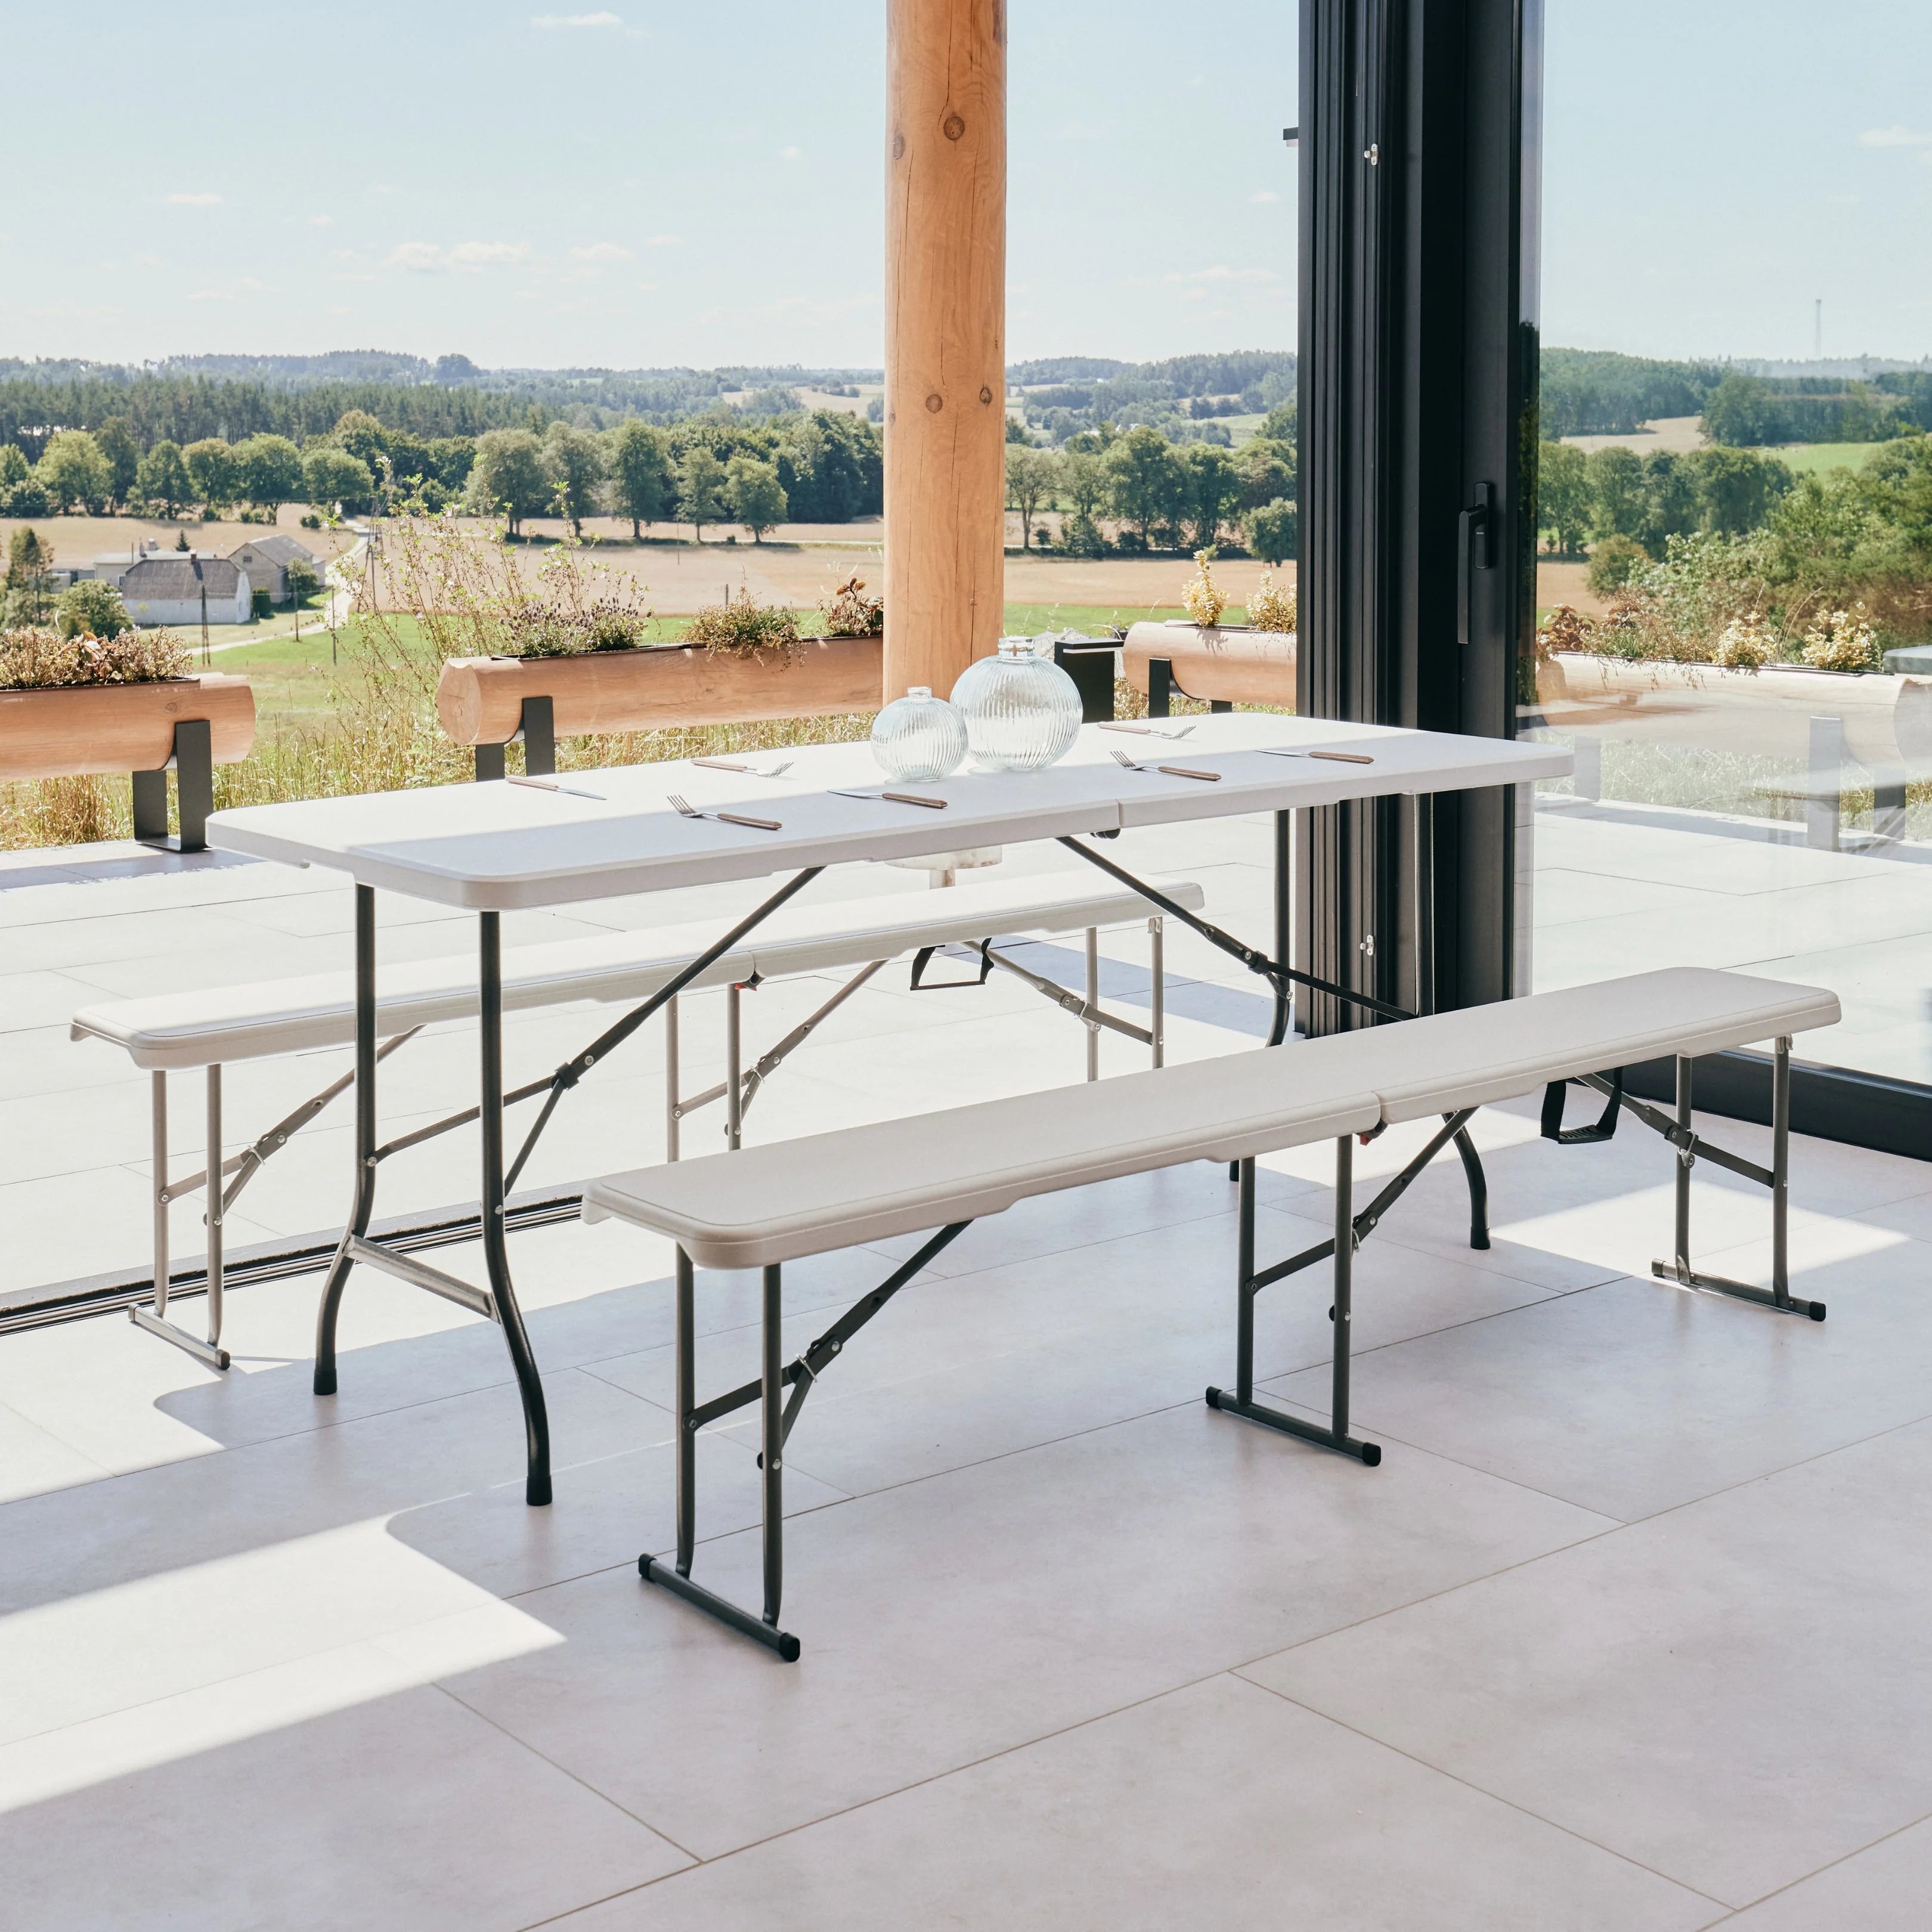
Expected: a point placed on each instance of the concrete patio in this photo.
(1628, 1630)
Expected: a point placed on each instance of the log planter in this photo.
(488, 702)
(1886, 720)
(193, 723)
(1222, 665)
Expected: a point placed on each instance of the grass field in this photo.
(1809, 459)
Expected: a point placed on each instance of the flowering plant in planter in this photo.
(745, 627)
(849, 613)
(1202, 597)
(1270, 608)
(41, 659)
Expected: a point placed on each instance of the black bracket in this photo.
(1601, 1129)
(193, 760)
(922, 985)
(536, 730)
(1162, 690)
(1089, 661)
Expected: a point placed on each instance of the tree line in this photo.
(1614, 493)
(1159, 493)
(824, 466)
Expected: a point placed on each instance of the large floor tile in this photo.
(1216, 1805)
(1735, 1694)
(405, 1814)
(32, 1461)
(1637, 1396)
(1883, 1889)
(944, 1620)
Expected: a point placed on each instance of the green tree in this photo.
(1032, 475)
(303, 583)
(508, 477)
(754, 495)
(1564, 497)
(1614, 561)
(90, 610)
(1736, 489)
(1210, 489)
(574, 459)
(1266, 469)
(211, 471)
(163, 479)
(1282, 425)
(14, 467)
(123, 454)
(267, 471)
(365, 438)
(1273, 530)
(701, 488)
(1670, 506)
(638, 458)
(333, 479)
(1144, 475)
(1742, 409)
(29, 559)
(73, 471)
(1616, 491)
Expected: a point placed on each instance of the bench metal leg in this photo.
(155, 1320)
(734, 1067)
(364, 1204)
(690, 1419)
(1689, 1149)
(1092, 1001)
(1342, 1247)
(673, 1111)
(1157, 1010)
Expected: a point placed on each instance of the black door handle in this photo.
(1475, 549)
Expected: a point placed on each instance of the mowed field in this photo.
(81, 539)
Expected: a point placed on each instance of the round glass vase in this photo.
(919, 737)
(1022, 712)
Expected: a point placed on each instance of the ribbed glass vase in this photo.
(1022, 712)
(919, 736)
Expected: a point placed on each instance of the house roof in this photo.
(278, 549)
(175, 579)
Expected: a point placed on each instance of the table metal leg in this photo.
(495, 1248)
(1157, 1012)
(1092, 1001)
(1284, 920)
(364, 1204)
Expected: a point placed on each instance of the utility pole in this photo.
(206, 659)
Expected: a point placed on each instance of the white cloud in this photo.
(1264, 194)
(231, 291)
(577, 20)
(182, 199)
(321, 221)
(1893, 137)
(431, 258)
(788, 154)
(601, 251)
(1221, 272)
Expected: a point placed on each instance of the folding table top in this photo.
(501, 846)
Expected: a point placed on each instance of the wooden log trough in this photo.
(192, 724)
(489, 703)
(1220, 665)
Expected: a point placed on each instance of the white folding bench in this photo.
(776, 1204)
(209, 1028)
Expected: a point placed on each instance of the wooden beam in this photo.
(946, 300)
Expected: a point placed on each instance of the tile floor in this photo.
(1629, 1631)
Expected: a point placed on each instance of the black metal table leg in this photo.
(363, 1203)
(496, 1251)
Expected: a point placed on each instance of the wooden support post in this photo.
(946, 283)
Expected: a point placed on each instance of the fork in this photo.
(1149, 730)
(685, 809)
(732, 765)
(1172, 771)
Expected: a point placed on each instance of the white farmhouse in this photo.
(182, 590)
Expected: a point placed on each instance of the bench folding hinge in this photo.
(1601, 1129)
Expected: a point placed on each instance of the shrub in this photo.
(1201, 596)
(39, 659)
(262, 603)
(849, 613)
(1080, 536)
(1270, 609)
(1746, 643)
(27, 499)
(1566, 629)
(1842, 640)
(1274, 530)
(746, 627)
(310, 521)
(540, 629)
(89, 609)
(1614, 562)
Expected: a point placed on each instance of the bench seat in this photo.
(222, 1025)
(940, 1171)
(781, 1202)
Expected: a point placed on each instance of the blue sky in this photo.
(649, 185)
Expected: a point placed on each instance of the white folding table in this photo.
(503, 846)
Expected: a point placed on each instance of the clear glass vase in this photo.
(919, 736)
(1022, 712)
